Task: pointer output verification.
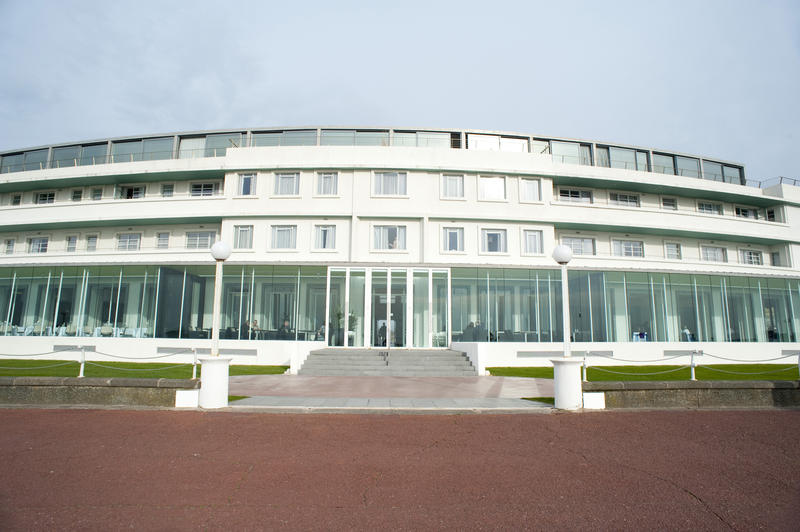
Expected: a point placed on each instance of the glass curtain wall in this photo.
(488, 305)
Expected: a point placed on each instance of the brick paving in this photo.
(183, 470)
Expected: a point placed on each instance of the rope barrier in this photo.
(182, 351)
(751, 360)
(137, 369)
(600, 368)
(746, 373)
(628, 360)
(38, 354)
(45, 367)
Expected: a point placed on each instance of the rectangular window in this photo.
(390, 236)
(72, 244)
(709, 208)
(733, 175)
(200, 239)
(627, 200)
(97, 194)
(493, 241)
(91, 243)
(287, 184)
(774, 257)
(771, 216)
(9, 246)
(575, 196)
(748, 256)
(453, 239)
(532, 242)
(247, 185)
(529, 190)
(712, 171)
(243, 237)
(38, 244)
(286, 138)
(167, 190)
(129, 241)
(579, 246)
(452, 186)
(747, 212)
(390, 184)
(628, 248)
(327, 184)
(713, 254)
(663, 164)
(16, 199)
(325, 237)
(565, 152)
(45, 197)
(492, 188)
(602, 156)
(162, 240)
(670, 204)
(622, 158)
(130, 192)
(284, 236)
(204, 189)
(672, 251)
(77, 195)
(687, 167)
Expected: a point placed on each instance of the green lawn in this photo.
(665, 373)
(63, 368)
(548, 400)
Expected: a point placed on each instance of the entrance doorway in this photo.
(388, 307)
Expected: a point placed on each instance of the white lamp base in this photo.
(567, 383)
(214, 382)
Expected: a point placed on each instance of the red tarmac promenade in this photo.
(70, 469)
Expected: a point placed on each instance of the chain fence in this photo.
(693, 364)
(83, 362)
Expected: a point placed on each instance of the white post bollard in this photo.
(567, 383)
(83, 361)
(584, 370)
(691, 369)
(214, 388)
(194, 363)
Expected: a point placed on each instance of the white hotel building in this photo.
(392, 239)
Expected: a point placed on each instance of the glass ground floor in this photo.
(396, 307)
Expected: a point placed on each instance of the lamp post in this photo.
(566, 370)
(220, 251)
(562, 255)
(214, 380)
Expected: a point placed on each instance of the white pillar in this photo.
(565, 311)
(567, 383)
(215, 321)
(214, 378)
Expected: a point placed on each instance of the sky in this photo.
(720, 79)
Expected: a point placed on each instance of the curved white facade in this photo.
(106, 244)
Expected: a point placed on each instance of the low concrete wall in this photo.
(698, 394)
(92, 391)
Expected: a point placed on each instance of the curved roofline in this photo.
(267, 129)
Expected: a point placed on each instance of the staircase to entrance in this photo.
(392, 363)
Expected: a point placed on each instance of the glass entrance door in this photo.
(388, 307)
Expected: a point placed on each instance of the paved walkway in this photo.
(194, 470)
(301, 393)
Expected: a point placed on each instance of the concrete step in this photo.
(388, 373)
(375, 362)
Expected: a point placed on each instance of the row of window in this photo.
(125, 242)
(672, 251)
(393, 237)
(216, 145)
(626, 199)
(490, 188)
